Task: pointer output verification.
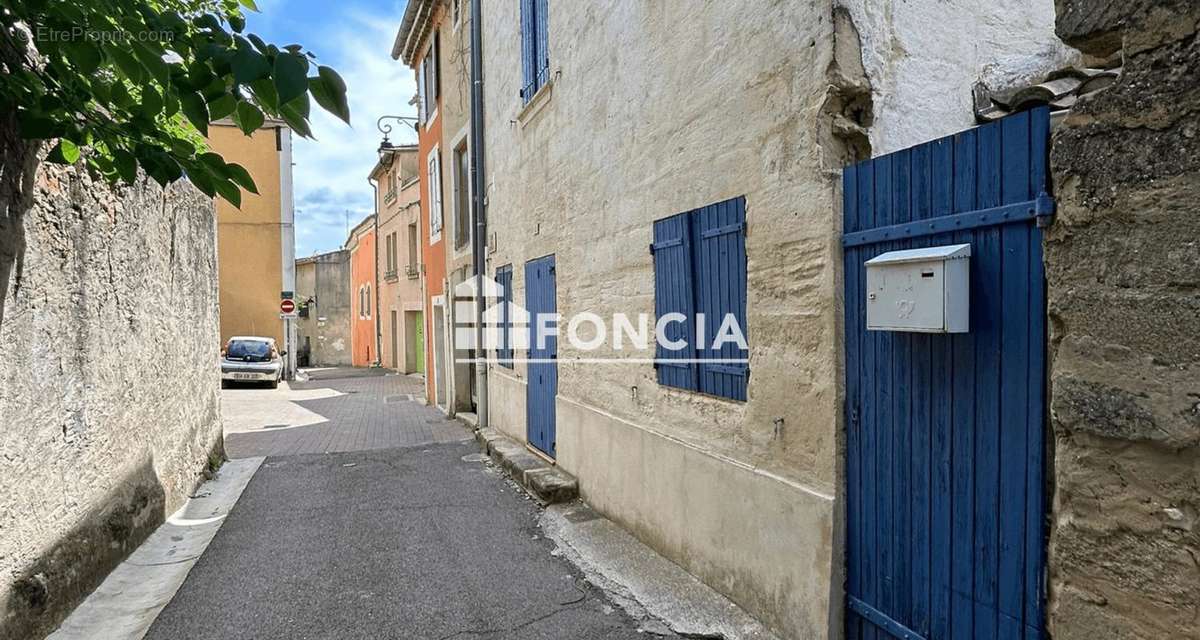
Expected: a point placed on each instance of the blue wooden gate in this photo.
(543, 354)
(945, 448)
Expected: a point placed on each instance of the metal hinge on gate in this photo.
(1043, 210)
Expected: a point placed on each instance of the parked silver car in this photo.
(251, 359)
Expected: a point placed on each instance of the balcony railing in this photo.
(413, 271)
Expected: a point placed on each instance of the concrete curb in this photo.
(546, 482)
(131, 597)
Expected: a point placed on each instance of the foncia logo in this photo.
(509, 332)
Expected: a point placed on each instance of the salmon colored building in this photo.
(418, 45)
(364, 343)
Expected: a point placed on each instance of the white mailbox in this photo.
(923, 290)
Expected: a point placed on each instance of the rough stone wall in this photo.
(923, 58)
(1123, 268)
(326, 280)
(109, 402)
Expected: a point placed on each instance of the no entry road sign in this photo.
(287, 306)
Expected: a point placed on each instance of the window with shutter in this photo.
(721, 297)
(435, 196)
(504, 350)
(535, 45)
(674, 305)
(700, 275)
(428, 82)
(421, 115)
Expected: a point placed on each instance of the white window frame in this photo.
(436, 217)
(460, 140)
(429, 113)
(421, 116)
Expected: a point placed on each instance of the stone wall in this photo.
(109, 402)
(325, 280)
(1123, 265)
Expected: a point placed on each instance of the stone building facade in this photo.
(109, 389)
(1123, 271)
(323, 322)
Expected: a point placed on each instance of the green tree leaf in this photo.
(35, 126)
(83, 55)
(248, 118)
(228, 190)
(196, 111)
(289, 76)
(239, 175)
(126, 165)
(264, 92)
(152, 102)
(65, 152)
(249, 65)
(222, 107)
(126, 63)
(329, 90)
(249, 4)
(295, 114)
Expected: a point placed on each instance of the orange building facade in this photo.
(363, 291)
(421, 50)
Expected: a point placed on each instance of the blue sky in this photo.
(355, 38)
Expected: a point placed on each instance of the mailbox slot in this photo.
(922, 290)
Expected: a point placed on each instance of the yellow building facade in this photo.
(256, 243)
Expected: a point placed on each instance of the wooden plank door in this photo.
(542, 385)
(946, 439)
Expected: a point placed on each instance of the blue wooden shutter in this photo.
(528, 50)
(673, 293)
(541, 15)
(721, 291)
(504, 350)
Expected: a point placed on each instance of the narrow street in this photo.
(374, 516)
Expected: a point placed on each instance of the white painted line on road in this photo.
(131, 597)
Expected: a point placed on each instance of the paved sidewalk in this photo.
(344, 410)
(419, 543)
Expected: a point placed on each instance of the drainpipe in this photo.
(478, 205)
(375, 285)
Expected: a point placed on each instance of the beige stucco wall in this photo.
(398, 202)
(658, 108)
(109, 389)
(250, 238)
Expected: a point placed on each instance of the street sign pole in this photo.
(287, 311)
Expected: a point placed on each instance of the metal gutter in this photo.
(478, 206)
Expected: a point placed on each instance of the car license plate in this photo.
(244, 376)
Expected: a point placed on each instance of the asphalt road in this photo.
(407, 543)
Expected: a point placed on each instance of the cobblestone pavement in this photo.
(337, 410)
(367, 537)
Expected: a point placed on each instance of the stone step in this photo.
(545, 481)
